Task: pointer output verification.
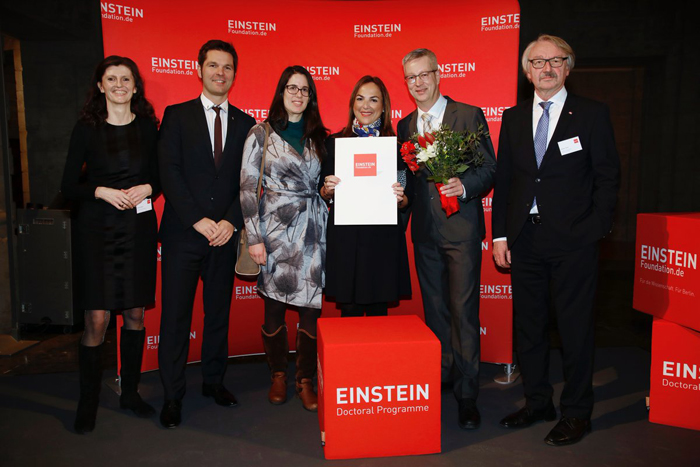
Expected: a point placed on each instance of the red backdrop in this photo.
(476, 43)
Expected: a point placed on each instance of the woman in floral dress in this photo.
(286, 227)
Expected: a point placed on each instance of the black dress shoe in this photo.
(469, 417)
(171, 415)
(568, 431)
(525, 417)
(220, 394)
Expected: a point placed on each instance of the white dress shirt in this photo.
(211, 120)
(555, 109)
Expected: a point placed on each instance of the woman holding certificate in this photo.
(286, 227)
(366, 265)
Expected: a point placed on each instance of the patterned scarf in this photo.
(367, 130)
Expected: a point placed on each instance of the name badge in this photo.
(570, 145)
(144, 206)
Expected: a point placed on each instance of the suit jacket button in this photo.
(537, 180)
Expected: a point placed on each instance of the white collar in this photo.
(209, 104)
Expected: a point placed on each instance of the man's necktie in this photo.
(217, 137)
(541, 138)
(541, 133)
(427, 127)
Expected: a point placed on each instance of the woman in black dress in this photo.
(112, 170)
(366, 265)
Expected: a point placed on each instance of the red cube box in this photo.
(666, 275)
(674, 397)
(379, 387)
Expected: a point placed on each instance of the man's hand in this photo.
(501, 254)
(453, 188)
(206, 227)
(224, 232)
(258, 253)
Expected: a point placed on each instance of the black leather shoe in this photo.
(171, 415)
(469, 417)
(568, 431)
(220, 394)
(525, 417)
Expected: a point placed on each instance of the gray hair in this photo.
(419, 53)
(558, 41)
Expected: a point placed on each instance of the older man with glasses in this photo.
(556, 189)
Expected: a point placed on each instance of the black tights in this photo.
(358, 309)
(275, 312)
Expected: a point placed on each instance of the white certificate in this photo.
(367, 169)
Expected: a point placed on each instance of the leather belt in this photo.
(535, 219)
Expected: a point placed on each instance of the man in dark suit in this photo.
(448, 249)
(199, 152)
(556, 189)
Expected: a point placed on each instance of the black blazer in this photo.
(576, 193)
(468, 223)
(192, 185)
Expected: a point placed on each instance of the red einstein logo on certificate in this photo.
(365, 165)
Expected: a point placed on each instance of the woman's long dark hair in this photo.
(94, 110)
(314, 130)
(387, 129)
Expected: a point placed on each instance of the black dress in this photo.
(115, 251)
(365, 264)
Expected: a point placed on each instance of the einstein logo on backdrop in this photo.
(374, 31)
(456, 70)
(486, 203)
(495, 113)
(258, 114)
(323, 73)
(173, 66)
(365, 165)
(118, 12)
(247, 292)
(496, 291)
(251, 28)
(500, 22)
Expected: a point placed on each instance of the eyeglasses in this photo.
(293, 89)
(554, 62)
(411, 79)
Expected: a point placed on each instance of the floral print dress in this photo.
(290, 218)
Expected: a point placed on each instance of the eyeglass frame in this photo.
(547, 60)
(288, 88)
(411, 79)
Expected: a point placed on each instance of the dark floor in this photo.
(36, 415)
(38, 395)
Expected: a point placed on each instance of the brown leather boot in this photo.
(306, 370)
(276, 350)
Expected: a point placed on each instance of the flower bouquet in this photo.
(446, 154)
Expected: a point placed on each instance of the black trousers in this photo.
(544, 275)
(449, 274)
(182, 264)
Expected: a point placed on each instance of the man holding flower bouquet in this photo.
(447, 147)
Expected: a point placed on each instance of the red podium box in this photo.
(667, 281)
(674, 397)
(379, 387)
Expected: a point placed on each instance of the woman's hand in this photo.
(117, 198)
(258, 253)
(401, 200)
(329, 184)
(138, 193)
